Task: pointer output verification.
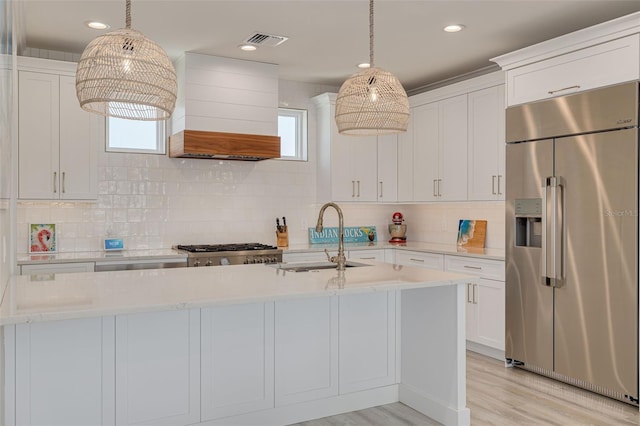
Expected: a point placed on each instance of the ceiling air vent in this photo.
(262, 39)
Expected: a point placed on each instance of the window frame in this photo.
(301, 143)
(161, 141)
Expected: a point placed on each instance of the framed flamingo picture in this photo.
(42, 238)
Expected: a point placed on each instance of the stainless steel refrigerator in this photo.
(572, 239)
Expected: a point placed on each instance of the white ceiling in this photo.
(328, 38)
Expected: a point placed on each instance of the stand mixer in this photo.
(397, 229)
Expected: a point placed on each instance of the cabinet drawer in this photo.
(489, 269)
(416, 258)
(608, 63)
(367, 255)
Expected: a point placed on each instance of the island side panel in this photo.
(433, 376)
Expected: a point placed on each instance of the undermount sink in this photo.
(312, 266)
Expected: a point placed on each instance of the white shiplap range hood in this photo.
(226, 108)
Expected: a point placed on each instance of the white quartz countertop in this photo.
(49, 297)
(449, 249)
(99, 256)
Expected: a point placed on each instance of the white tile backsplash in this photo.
(153, 201)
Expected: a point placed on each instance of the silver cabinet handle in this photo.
(551, 92)
(416, 260)
(55, 182)
(367, 258)
(493, 184)
(499, 190)
(435, 192)
(475, 294)
(353, 189)
(358, 188)
(380, 189)
(469, 292)
(63, 185)
(473, 267)
(439, 184)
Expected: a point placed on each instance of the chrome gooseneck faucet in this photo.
(340, 260)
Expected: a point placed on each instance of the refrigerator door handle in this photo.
(553, 231)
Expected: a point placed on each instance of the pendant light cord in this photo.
(370, 33)
(128, 14)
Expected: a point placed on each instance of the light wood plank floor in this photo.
(505, 396)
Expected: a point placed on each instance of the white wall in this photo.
(154, 201)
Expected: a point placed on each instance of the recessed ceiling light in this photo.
(247, 47)
(95, 25)
(454, 28)
(364, 65)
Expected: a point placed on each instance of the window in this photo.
(135, 136)
(292, 129)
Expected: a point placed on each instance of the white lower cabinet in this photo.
(63, 372)
(367, 341)
(485, 302)
(306, 349)
(237, 359)
(416, 258)
(158, 368)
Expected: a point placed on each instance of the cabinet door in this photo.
(364, 161)
(80, 136)
(367, 341)
(343, 180)
(237, 360)
(38, 135)
(387, 168)
(158, 368)
(452, 149)
(405, 162)
(486, 144)
(489, 313)
(64, 372)
(425, 152)
(306, 354)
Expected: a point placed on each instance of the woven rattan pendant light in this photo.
(124, 74)
(372, 102)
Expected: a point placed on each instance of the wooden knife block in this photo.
(283, 237)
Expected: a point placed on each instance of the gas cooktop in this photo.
(213, 248)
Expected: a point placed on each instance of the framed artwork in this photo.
(42, 238)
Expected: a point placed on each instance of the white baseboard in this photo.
(485, 350)
(433, 408)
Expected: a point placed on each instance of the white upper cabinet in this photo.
(440, 150)
(353, 168)
(601, 55)
(58, 142)
(486, 144)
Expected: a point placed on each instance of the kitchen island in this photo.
(249, 344)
